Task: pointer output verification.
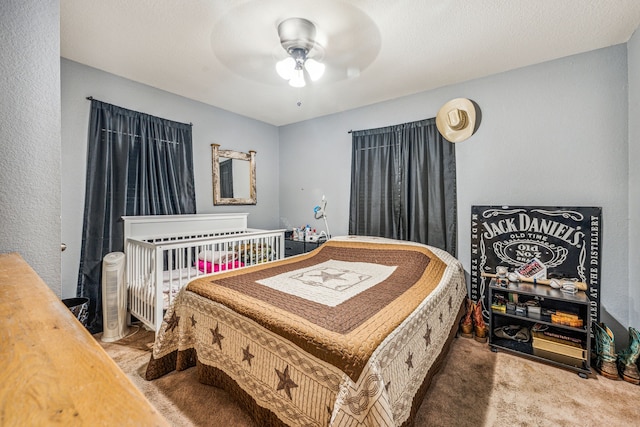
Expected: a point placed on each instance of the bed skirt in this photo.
(181, 360)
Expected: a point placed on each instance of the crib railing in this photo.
(157, 270)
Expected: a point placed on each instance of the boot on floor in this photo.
(605, 352)
(466, 324)
(479, 327)
(628, 358)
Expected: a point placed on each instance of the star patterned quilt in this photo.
(347, 335)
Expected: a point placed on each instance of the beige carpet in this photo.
(475, 387)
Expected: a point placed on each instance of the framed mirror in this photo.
(234, 176)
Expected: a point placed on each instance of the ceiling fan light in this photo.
(314, 68)
(297, 80)
(285, 68)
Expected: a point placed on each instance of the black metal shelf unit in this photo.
(549, 300)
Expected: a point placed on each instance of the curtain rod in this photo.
(91, 98)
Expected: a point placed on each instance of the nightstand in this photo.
(297, 247)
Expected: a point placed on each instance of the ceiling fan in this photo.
(297, 37)
(333, 33)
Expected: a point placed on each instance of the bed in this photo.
(348, 334)
(164, 252)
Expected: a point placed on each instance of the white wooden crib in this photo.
(165, 252)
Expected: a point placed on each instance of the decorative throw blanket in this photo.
(341, 336)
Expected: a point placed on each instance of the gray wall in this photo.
(30, 135)
(633, 48)
(571, 114)
(210, 125)
(553, 134)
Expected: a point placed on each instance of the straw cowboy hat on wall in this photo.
(456, 120)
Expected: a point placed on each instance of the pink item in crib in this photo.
(206, 266)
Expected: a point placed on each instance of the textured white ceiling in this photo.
(223, 52)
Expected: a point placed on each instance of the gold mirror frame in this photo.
(216, 154)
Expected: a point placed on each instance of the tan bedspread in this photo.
(344, 335)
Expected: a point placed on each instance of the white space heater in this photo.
(114, 298)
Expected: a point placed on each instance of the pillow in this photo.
(210, 256)
(217, 257)
(228, 258)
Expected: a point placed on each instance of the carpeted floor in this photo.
(475, 387)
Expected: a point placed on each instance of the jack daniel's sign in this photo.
(565, 240)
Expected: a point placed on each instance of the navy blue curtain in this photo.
(137, 164)
(403, 185)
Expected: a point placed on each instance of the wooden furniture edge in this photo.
(53, 370)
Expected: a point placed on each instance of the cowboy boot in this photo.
(479, 327)
(605, 355)
(466, 324)
(628, 357)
